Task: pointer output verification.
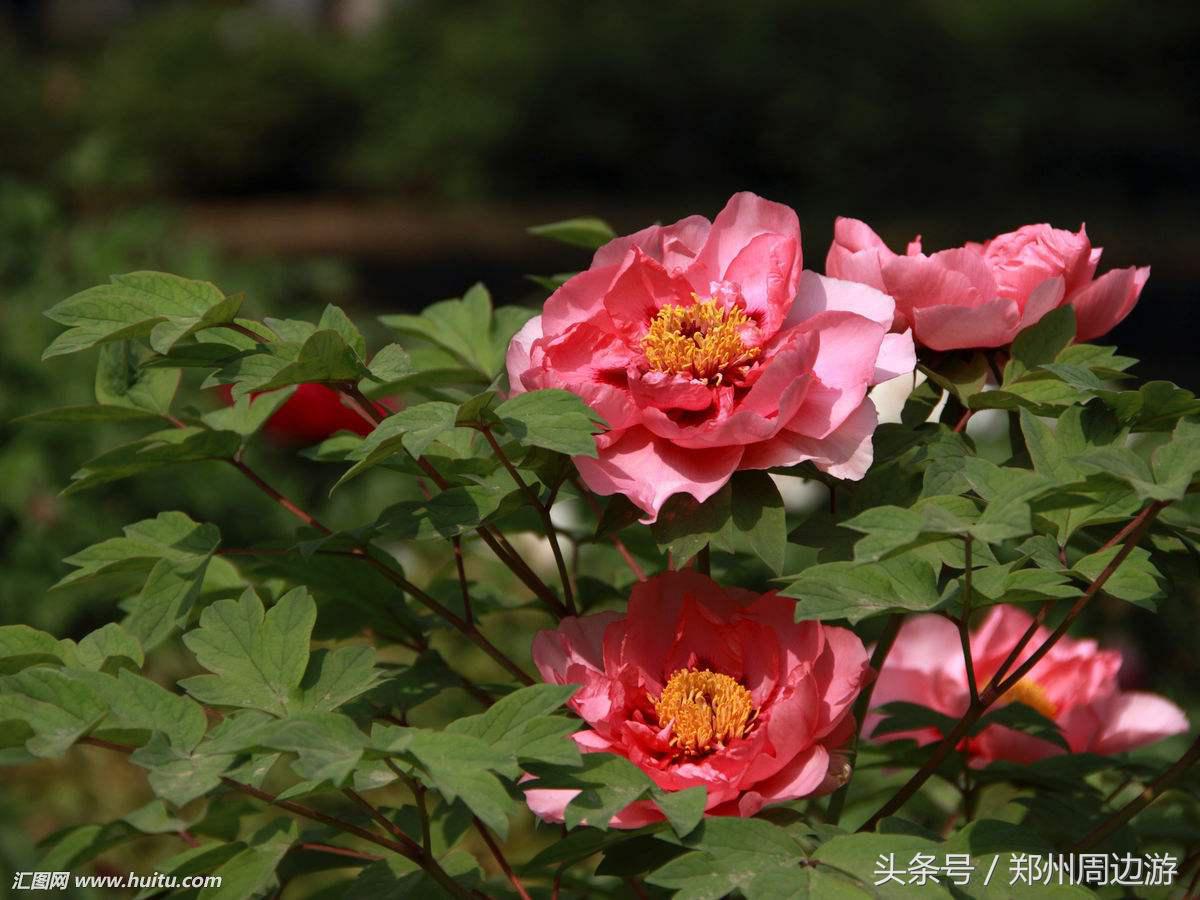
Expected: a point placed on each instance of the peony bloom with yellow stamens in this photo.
(708, 349)
(1075, 685)
(702, 685)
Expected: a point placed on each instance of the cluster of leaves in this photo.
(396, 724)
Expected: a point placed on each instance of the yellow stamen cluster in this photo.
(703, 340)
(1033, 695)
(705, 709)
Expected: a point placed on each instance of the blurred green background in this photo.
(382, 155)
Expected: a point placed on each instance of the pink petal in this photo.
(844, 453)
(1101, 305)
(648, 470)
(818, 294)
(991, 324)
(897, 356)
(918, 281)
(640, 289)
(577, 640)
(765, 269)
(1133, 719)
(669, 390)
(801, 777)
(1046, 296)
(675, 246)
(970, 264)
(580, 299)
(745, 217)
(517, 359)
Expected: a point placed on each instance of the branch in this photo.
(503, 550)
(498, 855)
(863, 705)
(542, 511)
(964, 623)
(998, 688)
(304, 812)
(469, 630)
(636, 569)
(1151, 793)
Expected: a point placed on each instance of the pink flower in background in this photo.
(1075, 684)
(707, 350)
(982, 295)
(702, 685)
(313, 413)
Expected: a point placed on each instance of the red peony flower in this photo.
(707, 350)
(982, 295)
(1075, 684)
(313, 413)
(702, 685)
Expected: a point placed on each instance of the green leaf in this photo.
(1136, 580)
(1025, 719)
(178, 776)
(56, 708)
(608, 783)
(252, 871)
(391, 363)
(159, 450)
(758, 521)
(963, 374)
(138, 706)
(248, 414)
(457, 766)
(166, 557)
(323, 357)
(335, 677)
(686, 526)
(1170, 471)
(554, 419)
(109, 648)
(328, 745)
(466, 329)
(259, 658)
(335, 319)
(86, 415)
(901, 716)
(22, 646)
(1041, 343)
(121, 380)
(451, 512)
(161, 306)
(587, 232)
(728, 854)
(411, 430)
(854, 591)
(520, 724)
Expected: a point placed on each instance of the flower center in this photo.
(705, 709)
(1033, 695)
(703, 340)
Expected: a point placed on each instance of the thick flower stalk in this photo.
(982, 295)
(1074, 685)
(703, 685)
(708, 349)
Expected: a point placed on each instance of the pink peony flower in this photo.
(982, 295)
(1075, 684)
(707, 350)
(702, 685)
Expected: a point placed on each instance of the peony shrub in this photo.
(568, 638)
